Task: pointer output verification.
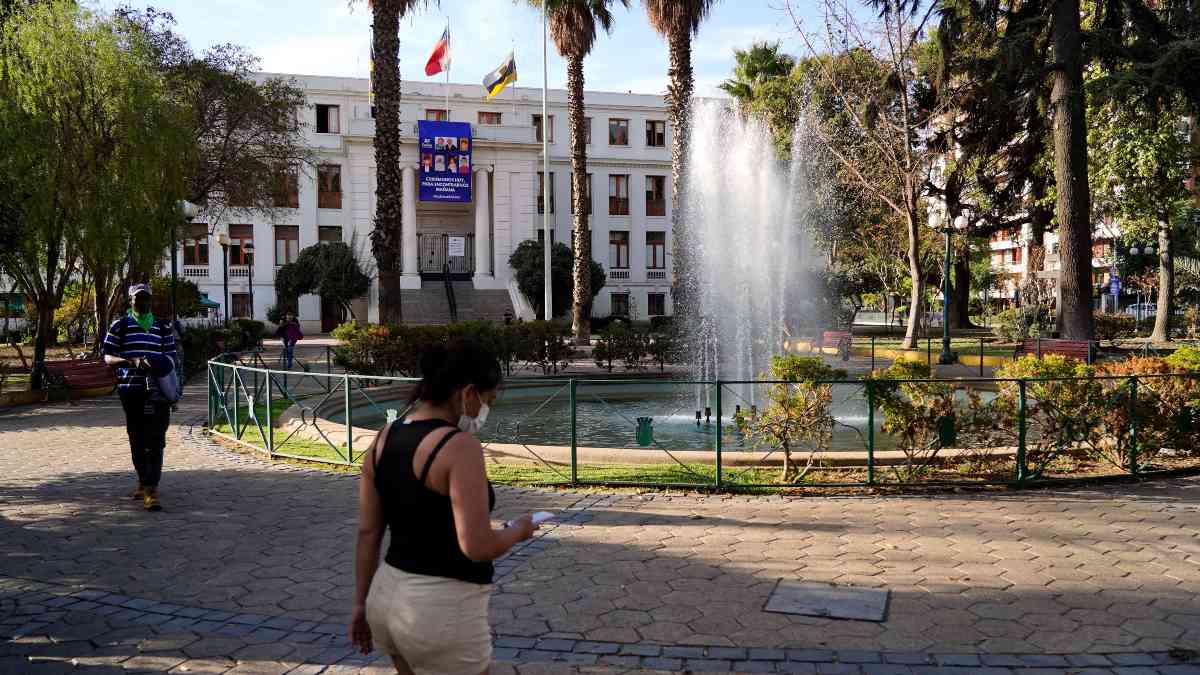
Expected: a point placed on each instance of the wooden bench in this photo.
(1074, 349)
(79, 375)
(838, 339)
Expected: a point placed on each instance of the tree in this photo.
(82, 187)
(678, 21)
(528, 266)
(389, 185)
(573, 26)
(753, 67)
(330, 270)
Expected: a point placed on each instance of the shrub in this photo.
(1163, 410)
(1063, 406)
(1019, 323)
(1113, 327)
(913, 410)
(199, 345)
(1185, 360)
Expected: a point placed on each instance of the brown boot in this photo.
(150, 500)
(139, 494)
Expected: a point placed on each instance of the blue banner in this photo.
(445, 161)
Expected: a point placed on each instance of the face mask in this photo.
(473, 425)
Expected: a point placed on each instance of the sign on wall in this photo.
(457, 247)
(445, 161)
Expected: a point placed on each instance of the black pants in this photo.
(146, 423)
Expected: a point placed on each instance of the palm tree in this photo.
(762, 61)
(389, 186)
(678, 21)
(573, 26)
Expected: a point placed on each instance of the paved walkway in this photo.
(250, 569)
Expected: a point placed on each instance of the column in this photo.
(408, 215)
(483, 225)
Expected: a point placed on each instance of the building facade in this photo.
(629, 166)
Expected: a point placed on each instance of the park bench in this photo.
(79, 375)
(839, 339)
(1074, 349)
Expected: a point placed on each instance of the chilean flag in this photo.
(439, 58)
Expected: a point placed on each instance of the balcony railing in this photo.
(618, 274)
(239, 271)
(656, 275)
(195, 271)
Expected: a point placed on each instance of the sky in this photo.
(328, 37)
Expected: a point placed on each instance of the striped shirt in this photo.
(128, 340)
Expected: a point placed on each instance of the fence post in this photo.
(349, 420)
(1020, 430)
(928, 351)
(1133, 440)
(870, 433)
(1039, 347)
(574, 436)
(270, 424)
(1091, 358)
(237, 378)
(719, 441)
(872, 352)
(328, 370)
(981, 357)
(208, 379)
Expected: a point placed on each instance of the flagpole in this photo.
(448, 70)
(548, 299)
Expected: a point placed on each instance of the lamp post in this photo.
(223, 240)
(937, 220)
(248, 251)
(189, 211)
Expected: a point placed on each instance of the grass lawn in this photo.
(964, 346)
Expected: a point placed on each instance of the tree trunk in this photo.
(918, 282)
(100, 311)
(581, 233)
(960, 292)
(45, 328)
(679, 102)
(389, 186)
(1166, 281)
(1071, 173)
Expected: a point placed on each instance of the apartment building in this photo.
(629, 165)
(1010, 250)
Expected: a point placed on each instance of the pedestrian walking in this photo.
(289, 332)
(423, 478)
(143, 349)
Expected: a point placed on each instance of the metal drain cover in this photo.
(811, 598)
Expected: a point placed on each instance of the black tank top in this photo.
(421, 521)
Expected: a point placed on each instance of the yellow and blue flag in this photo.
(498, 79)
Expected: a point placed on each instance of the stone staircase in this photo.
(428, 306)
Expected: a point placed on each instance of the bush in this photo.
(1019, 323)
(603, 323)
(1113, 327)
(1063, 410)
(1185, 360)
(1163, 408)
(199, 345)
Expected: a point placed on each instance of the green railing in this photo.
(731, 435)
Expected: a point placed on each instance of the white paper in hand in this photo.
(542, 516)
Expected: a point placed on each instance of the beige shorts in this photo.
(439, 625)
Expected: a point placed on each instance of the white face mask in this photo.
(473, 425)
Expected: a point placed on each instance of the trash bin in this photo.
(645, 431)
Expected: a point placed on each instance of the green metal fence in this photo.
(740, 434)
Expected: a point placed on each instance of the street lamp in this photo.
(189, 211)
(223, 240)
(248, 255)
(937, 220)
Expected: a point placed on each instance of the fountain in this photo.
(751, 273)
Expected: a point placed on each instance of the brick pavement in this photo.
(1067, 580)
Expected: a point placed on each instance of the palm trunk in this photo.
(679, 102)
(1070, 173)
(385, 238)
(581, 320)
(1166, 281)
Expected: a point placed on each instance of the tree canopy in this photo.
(528, 266)
(330, 270)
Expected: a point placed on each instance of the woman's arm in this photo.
(371, 524)
(469, 500)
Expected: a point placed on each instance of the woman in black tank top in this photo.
(423, 480)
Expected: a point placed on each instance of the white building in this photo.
(1010, 250)
(628, 160)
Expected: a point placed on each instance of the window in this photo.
(656, 134)
(997, 259)
(587, 130)
(489, 117)
(437, 115)
(541, 236)
(1016, 255)
(195, 245)
(537, 129)
(241, 305)
(287, 189)
(541, 194)
(656, 304)
(587, 194)
(239, 236)
(329, 186)
(287, 244)
(656, 250)
(618, 132)
(328, 119)
(620, 304)
(618, 195)
(329, 233)
(656, 190)
(618, 250)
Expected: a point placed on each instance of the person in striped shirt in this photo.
(134, 343)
